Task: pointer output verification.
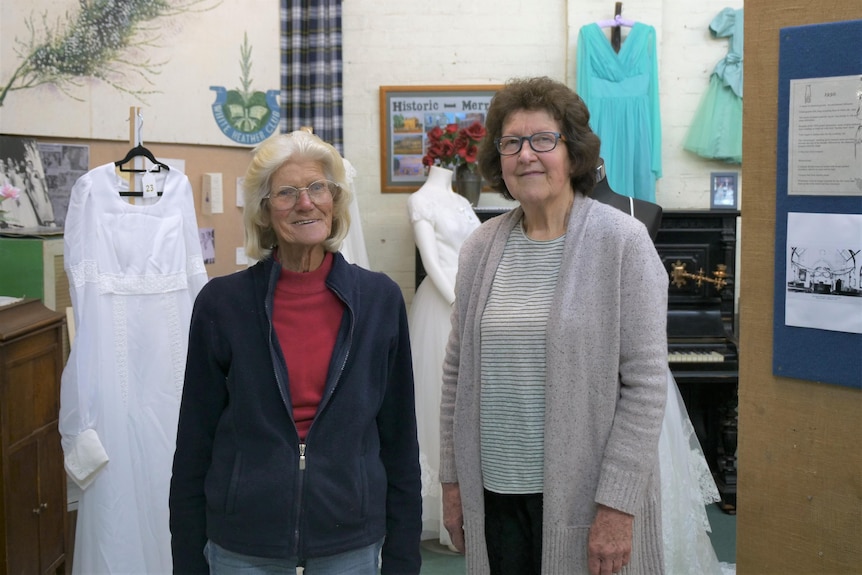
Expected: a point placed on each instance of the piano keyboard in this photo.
(694, 357)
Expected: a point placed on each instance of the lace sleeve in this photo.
(419, 208)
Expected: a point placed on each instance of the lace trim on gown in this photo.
(687, 487)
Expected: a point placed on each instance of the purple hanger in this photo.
(616, 22)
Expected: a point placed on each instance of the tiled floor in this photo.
(723, 534)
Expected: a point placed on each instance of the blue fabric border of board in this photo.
(813, 51)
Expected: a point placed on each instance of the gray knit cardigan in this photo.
(605, 390)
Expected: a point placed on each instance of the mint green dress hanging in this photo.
(716, 130)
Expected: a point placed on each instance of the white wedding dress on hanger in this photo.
(134, 272)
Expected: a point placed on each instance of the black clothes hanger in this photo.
(140, 151)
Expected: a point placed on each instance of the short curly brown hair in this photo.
(562, 104)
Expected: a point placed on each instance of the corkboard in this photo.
(811, 52)
(230, 162)
(800, 465)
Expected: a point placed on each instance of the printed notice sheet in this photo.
(825, 137)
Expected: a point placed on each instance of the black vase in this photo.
(468, 183)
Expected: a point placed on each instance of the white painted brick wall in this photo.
(458, 42)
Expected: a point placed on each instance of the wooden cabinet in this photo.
(32, 478)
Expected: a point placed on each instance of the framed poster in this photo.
(723, 190)
(407, 113)
(25, 200)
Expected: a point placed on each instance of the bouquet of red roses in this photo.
(453, 146)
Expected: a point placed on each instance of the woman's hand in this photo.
(453, 515)
(610, 542)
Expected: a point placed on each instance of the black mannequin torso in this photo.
(647, 212)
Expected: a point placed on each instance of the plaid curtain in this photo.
(311, 93)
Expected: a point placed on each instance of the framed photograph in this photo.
(63, 164)
(25, 202)
(724, 191)
(407, 113)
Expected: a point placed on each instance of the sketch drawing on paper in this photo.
(104, 40)
(823, 272)
(820, 270)
(823, 288)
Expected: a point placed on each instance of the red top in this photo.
(306, 316)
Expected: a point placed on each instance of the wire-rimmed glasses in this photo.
(318, 191)
(539, 142)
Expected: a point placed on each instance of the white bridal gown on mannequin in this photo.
(134, 272)
(687, 487)
(441, 221)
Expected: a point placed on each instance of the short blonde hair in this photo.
(268, 157)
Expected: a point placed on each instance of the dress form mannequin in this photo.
(647, 212)
(687, 483)
(441, 221)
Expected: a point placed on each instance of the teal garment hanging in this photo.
(621, 92)
(716, 129)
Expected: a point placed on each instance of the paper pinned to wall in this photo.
(824, 269)
(825, 136)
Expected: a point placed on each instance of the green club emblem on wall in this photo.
(243, 114)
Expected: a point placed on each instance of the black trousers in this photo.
(513, 533)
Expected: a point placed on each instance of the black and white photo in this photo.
(724, 190)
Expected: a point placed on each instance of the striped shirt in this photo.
(513, 332)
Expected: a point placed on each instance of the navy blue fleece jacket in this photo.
(238, 476)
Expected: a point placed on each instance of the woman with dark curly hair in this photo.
(554, 381)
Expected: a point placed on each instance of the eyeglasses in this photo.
(539, 142)
(286, 197)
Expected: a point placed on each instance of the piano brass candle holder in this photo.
(678, 276)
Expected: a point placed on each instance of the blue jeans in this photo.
(363, 561)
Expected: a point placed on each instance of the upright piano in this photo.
(702, 331)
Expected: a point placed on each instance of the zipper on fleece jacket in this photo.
(303, 446)
(303, 450)
(282, 386)
(300, 482)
